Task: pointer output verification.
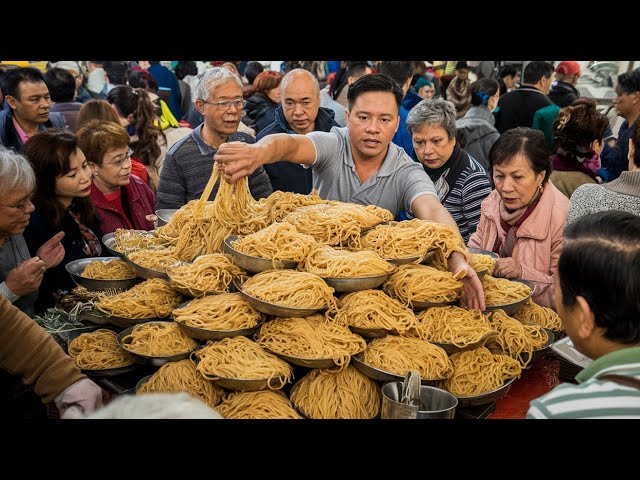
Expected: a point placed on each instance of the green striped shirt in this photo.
(593, 398)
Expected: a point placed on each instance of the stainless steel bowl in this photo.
(165, 214)
(541, 352)
(276, 310)
(123, 322)
(451, 348)
(156, 361)
(305, 362)
(372, 332)
(416, 305)
(76, 267)
(483, 252)
(492, 396)
(248, 385)
(109, 241)
(404, 260)
(251, 263)
(513, 308)
(384, 376)
(145, 272)
(141, 382)
(346, 285)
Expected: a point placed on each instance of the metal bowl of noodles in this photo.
(450, 348)
(102, 372)
(372, 332)
(251, 263)
(536, 354)
(274, 309)
(76, 267)
(484, 398)
(303, 361)
(153, 360)
(109, 241)
(513, 308)
(382, 375)
(403, 260)
(165, 215)
(145, 272)
(347, 285)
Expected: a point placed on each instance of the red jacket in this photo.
(140, 200)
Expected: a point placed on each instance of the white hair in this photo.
(15, 172)
(178, 405)
(211, 79)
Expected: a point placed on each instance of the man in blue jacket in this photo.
(299, 112)
(29, 102)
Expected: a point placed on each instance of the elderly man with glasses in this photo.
(189, 163)
(21, 275)
(121, 199)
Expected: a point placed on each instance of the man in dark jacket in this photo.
(299, 112)
(564, 92)
(29, 102)
(517, 108)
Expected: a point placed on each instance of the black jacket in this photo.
(518, 107)
(259, 112)
(9, 136)
(291, 177)
(563, 94)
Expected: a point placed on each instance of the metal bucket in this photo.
(434, 403)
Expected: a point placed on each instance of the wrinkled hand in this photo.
(507, 268)
(79, 399)
(26, 277)
(473, 296)
(237, 160)
(52, 252)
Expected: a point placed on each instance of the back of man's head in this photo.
(15, 76)
(534, 71)
(398, 70)
(374, 82)
(568, 71)
(600, 262)
(61, 85)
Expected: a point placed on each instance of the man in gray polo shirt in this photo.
(189, 163)
(358, 164)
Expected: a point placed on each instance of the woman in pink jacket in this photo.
(121, 199)
(523, 219)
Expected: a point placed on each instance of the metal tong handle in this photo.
(410, 394)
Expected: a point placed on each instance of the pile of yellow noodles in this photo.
(327, 394)
(516, 339)
(278, 241)
(480, 262)
(261, 405)
(420, 283)
(212, 273)
(134, 240)
(336, 223)
(311, 338)
(373, 309)
(399, 355)
(227, 311)
(158, 339)
(158, 260)
(453, 325)
(279, 204)
(501, 291)
(111, 270)
(478, 371)
(290, 288)
(182, 376)
(543, 316)
(241, 359)
(152, 298)
(413, 238)
(328, 262)
(98, 350)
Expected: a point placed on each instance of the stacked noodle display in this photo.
(516, 339)
(158, 339)
(261, 405)
(278, 241)
(453, 325)
(543, 316)
(419, 283)
(213, 273)
(112, 270)
(98, 350)
(500, 291)
(328, 262)
(152, 298)
(227, 311)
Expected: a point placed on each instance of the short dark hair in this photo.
(534, 71)
(507, 71)
(15, 76)
(398, 70)
(185, 68)
(374, 82)
(629, 82)
(462, 65)
(252, 70)
(61, 85)
(525, 141)
(600, 261)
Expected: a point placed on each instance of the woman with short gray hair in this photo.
(21, 275)
(461, 182)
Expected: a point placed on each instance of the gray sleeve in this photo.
(171, 187)
(329, 146)
(6, 292)
(581, 202)
(416, 183)
(260, 184)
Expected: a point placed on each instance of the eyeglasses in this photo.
(119, 163)
(22, 205)
(227, 104)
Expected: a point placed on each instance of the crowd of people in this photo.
(518, 166)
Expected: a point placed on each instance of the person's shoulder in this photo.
(271, 129)
(243, 137)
